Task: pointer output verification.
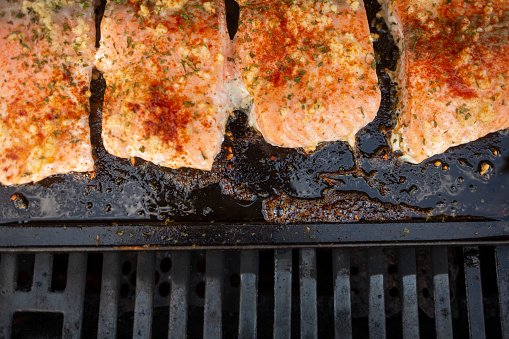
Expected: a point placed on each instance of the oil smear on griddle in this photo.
(252, 180)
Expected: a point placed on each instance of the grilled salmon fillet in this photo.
(309, 68)
(45, 66)
(164, 63)
(452, 75)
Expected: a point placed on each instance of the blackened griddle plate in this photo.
(334, 183)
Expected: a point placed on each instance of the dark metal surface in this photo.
(248, 294)
(212, 324)
(213, 312)
(376, 293)
(308, 299)
(73, 295)
(475, 307)
(144, 295)
(110, 293)
(40, 298)
(179, 294)
(74, 237)
(342, 303)
(409, 309)
(282, 293)
(443, 321)
(502, 254)
(7, 276)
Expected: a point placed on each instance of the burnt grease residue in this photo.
(336, 207)
(252, 180)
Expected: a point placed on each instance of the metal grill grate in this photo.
(375, 292)
(40, 298)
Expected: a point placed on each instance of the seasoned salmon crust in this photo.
(309, 69)
(164, 63)
(452, 75)
(46, 64)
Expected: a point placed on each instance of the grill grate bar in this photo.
(108, 309)
(212, 320)
(43, 266)
(144, 295)
(502, 254)
(308, 306)
(443, 323)
(221, 297)
(376, 293)
(40, 298)
(342, 294)
(282, 293)
(7, 273)
(248, 294)
(410, 315)
(181, 263)
(74, 295)
(474, 292)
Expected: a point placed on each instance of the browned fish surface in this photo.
(309, 68)
(453, 73)
(45, 66)
(164, 64)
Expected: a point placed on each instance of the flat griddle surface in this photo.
(252, 180)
